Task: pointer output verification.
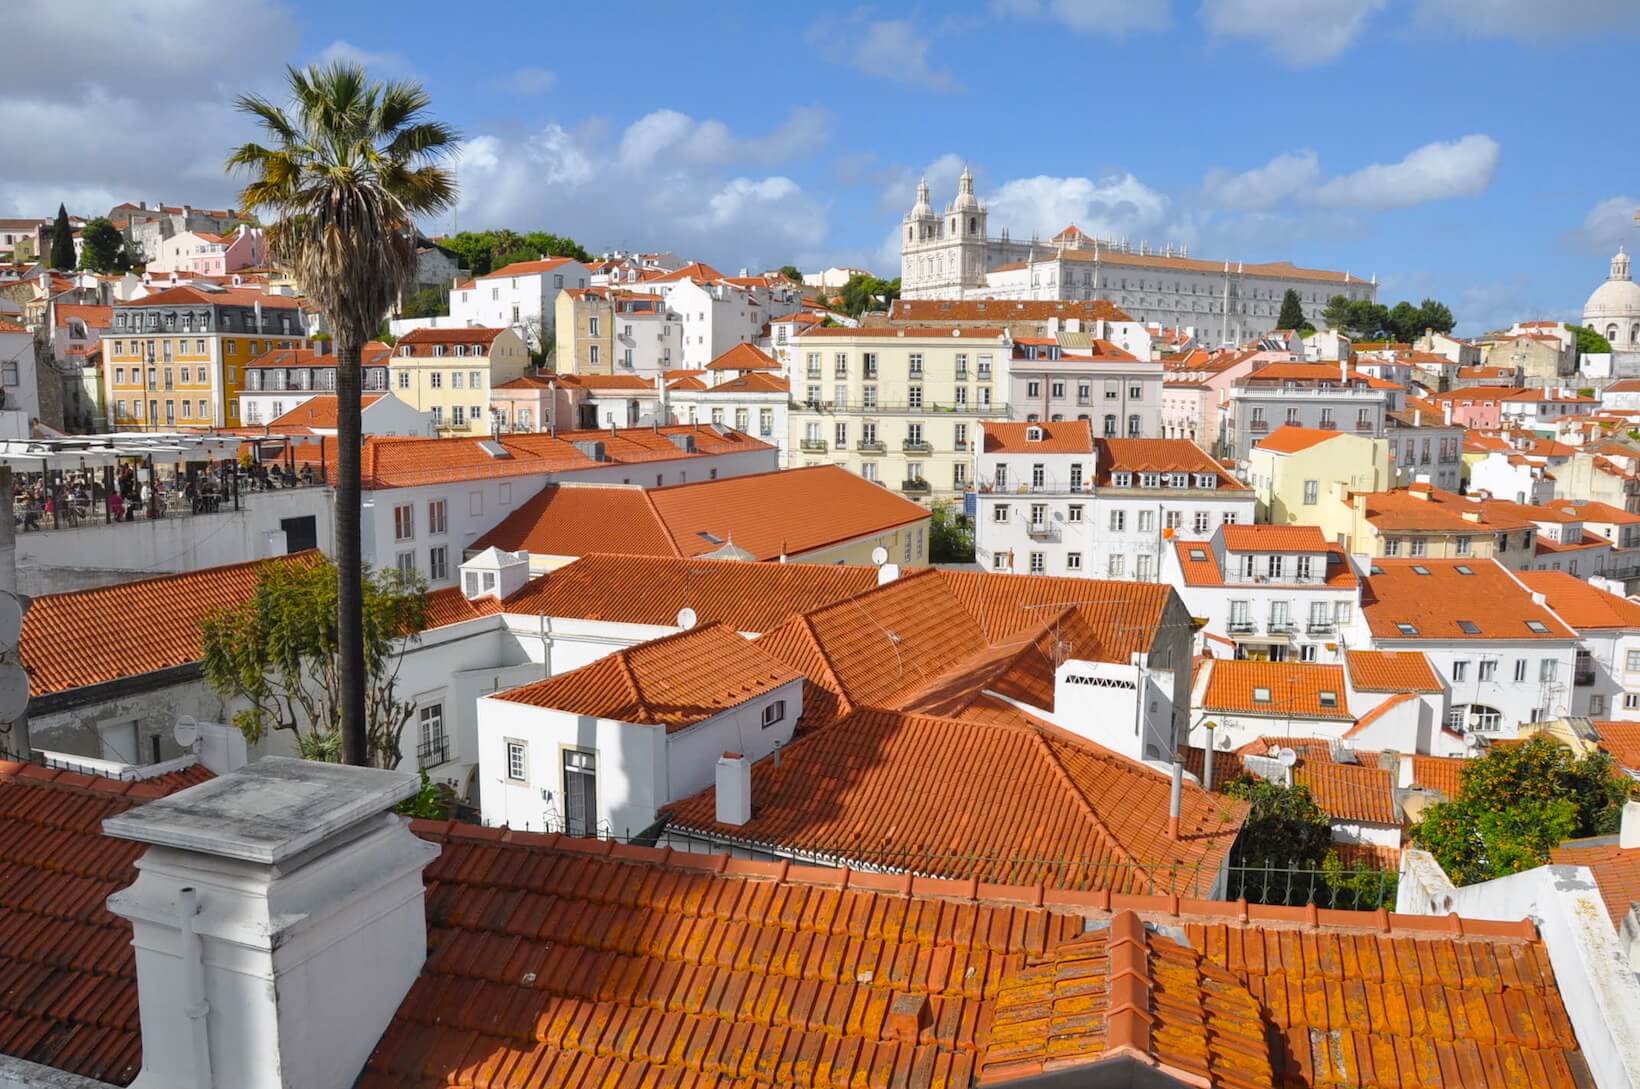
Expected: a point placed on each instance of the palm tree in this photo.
(352, 165)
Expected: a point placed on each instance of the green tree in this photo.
(429, 302)
(791, 273)
(1285, 831)
(1590, 342)
(1435, 315)
(62, 241)
(1406, 322)
(102, 247)
(483, 252)
(1337, 313)
(1517, 803)
(1292, 312)
(950, 534)
(865, 292)
(279, 653)
(352, 165)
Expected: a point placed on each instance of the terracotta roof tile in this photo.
(1439, 773)
(1616, 871)
(1289, 689)
(1288, 439)
(1391, 671)
(320, 411)
(751, 382)
(1581, 605)
(527, 268)
(1622, 740)
(67, 970)
(1435, 599)
(744, 357)
(374, 354)
(1350, 792)
(673, 682)
(997, 310)
(1161, 456)
(1269, 538)
(766, 514)
(1093, 820)
(86, 637)
(184, 295)
(1062, 437)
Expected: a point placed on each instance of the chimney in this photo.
(1629, 834)
(1207, 757)
(734, 789)
(887, 573)
(1175, 801)
(273, 952)
(1343, 367)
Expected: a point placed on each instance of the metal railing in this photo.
(916, 487)
(871, 447)
(815, 445)
(432, 751)
(917, 446)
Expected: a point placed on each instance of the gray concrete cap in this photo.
(267, 811)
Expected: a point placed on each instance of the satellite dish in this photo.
(687, 618)
(879, 555)
(186, 731)
(13, 692)
(1286, 757)
(11, 618)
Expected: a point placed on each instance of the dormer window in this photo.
(1206, 480)
(1150, 480)
(1178, 480)
(405, 351)
(1033, 434)
(438, 349)
(1122, 480)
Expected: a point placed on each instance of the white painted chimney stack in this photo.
(734, 789)
(1629, 833)
(278, 922)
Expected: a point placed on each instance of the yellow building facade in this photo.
(449, 374)
(176, 359)
(1298, 472)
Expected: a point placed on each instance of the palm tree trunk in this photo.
(349, 569)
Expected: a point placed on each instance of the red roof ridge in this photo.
(1082, 802)
(1379, 712)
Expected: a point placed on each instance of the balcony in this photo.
(1241, 627)
(1582, 678)
(1042, 531)
(1319, 627)
(960, 444)
(1364, 426)
(1326, 425)
(917, 446)
(1280, 626)
(1258, 426)
(432, 752)
(871, 447)
(915, 487)
(816, 446)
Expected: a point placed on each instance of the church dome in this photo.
(1614, 308)
(966, 201)
(922, 209)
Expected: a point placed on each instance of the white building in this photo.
(1321, 397)
(717, 314)
(522, 296)
(1507, 659)
(1053, 500)
(1275, 593)
(951, 255)
(755, 402)
(1606, 674)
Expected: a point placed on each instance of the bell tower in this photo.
(966, 220)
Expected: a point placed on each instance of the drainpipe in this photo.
(1207, 759)
(194, 1004)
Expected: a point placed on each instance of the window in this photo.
(913, 397)
(1597, 705)
(455, 380)
(774, 711)
(1073, 561)
(1312, 491)
(1631, 701)
(1114, 566)
(458, 415)
(1147, 521)
(1406, 629)
(1118, 521)
(580, 793)
(1547, 668)
(1201, 521)
(517, 761)
(1631, 662)
(1469, 627)
(1419, 547)
(1073, 513)
(1033, 389)
(1275, 566)
(1520, 670)
(1489, 669)
(404, 379)
(406, 563)
(1145, 567)
(435, 379)
(404, 522)
(1261, 695)
(1463, 546)
(999, 512)
(1392, 546)
(1537, 627)
(1039, 563)
(434, 746)
(1460, 671)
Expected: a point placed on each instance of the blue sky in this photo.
(1475, 150)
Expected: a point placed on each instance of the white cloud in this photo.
(378, 65)
(1528, 20)
(1118, 205)
(892, 49)
(1608, 225)
(1298, 32)
(527, 81)
(1113, 18)
(667, 181)
(1437, 171)
(900, 185)
(1279, 180)
(89, 130)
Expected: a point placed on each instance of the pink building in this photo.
(204, 254)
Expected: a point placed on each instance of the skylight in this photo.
(1419, 569)
(1329, 699)
(1375, 570)
(1537, 626)
(711, 538)
(1197, 554)
(1464, 569)
(1469, 627)
(1406, 629)
(1261, 695)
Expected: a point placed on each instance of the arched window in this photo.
(973, 224)
(909, 233)
(1634, 333)
(1611, 332)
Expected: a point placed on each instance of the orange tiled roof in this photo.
(1622, 740)
(1126, 992)
(374, 354)
(788, 512)
(1581, 605)
(1161, 456)
(420, 342)
(527, 268)
(840, 792)
(107, 633)
(1440, 511)
(675, 681)
(1439, 773)
(1294, 689)
(751, 382)
(1060, 437)
(69, 993)
(1437, 600)
(1391, 671)
(320, 410)
(1289, 439)
(184, 295)
(1616, 871)
(744, 357)
(1350, 792)
(1200, 567)
(1269, 538)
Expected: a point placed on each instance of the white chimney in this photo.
(887, 573)
(1629, 833)
(278, 921)
(734, 789)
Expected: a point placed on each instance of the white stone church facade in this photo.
(951, 255)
